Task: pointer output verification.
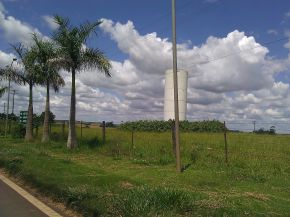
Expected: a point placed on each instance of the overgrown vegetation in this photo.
(271, 131)
(124, 179)
(162, 126)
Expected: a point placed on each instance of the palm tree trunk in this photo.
(45, 134)
(29, 123)
(71, 140)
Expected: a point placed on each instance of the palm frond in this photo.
(56, 81)
(94, 58)
(86, 29)
(19, 49)
(63, 22)
(45, 67)
(2, 90)
(28, 58)
(12, 74)
(72, 54)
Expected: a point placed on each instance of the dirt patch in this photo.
(257, 196)
(126, 185)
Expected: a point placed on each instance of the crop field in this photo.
(125, 178)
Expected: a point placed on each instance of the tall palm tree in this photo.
(29, 76)
(45, 52)
(74, 55)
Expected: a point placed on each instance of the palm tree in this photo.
(30, 76)
(6, 74)
(74, 55)
(2, 90)
(45, 52)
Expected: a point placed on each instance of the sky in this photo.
(236, 54)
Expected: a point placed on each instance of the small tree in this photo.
(51, 117)
(45, 52)
(75, 55)
(28, 74)
(272, 130)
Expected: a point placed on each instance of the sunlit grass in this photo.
(119, 178)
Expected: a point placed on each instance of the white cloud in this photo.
(2, 8)
(272, 32)
(230, 78)
(50, 22)
(287, 14)
(15, 30)
(243, 69)
(238, 65)
(5, 59)
(287, 34)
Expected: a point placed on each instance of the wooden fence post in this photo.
(62, 128)
(226, 143)
(132, 143)
(36, 131)
(132, 138)
(104, 132)
(81, 129)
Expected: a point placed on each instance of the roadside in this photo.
(13, 204)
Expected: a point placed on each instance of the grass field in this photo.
(118, 179)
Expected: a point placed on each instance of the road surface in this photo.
(14, 205)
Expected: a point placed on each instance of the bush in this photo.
(271, 131)
(108, 124)
(185, 126)
(147, 201)
(18, 131)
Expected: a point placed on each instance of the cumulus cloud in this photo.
(5, 59)
(230, 78)
(50, 22)
(244, 66)
(225, 73)
(15, 30)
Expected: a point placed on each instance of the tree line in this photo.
(40, 64)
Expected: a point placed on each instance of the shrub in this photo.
(18, 131)
(185, 126)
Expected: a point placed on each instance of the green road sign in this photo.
(23, 117)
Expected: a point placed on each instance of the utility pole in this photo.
(175, 84)
(4, 107)
(12, 112)
(13, 101)
(9, 81)
(254, 122)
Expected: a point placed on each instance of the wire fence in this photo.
(237, 141)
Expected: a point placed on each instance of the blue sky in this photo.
(250, 84)
(196, 19)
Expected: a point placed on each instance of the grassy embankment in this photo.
(117, 179)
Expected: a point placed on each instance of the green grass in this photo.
(118, 179)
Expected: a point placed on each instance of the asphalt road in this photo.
(13, 205)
